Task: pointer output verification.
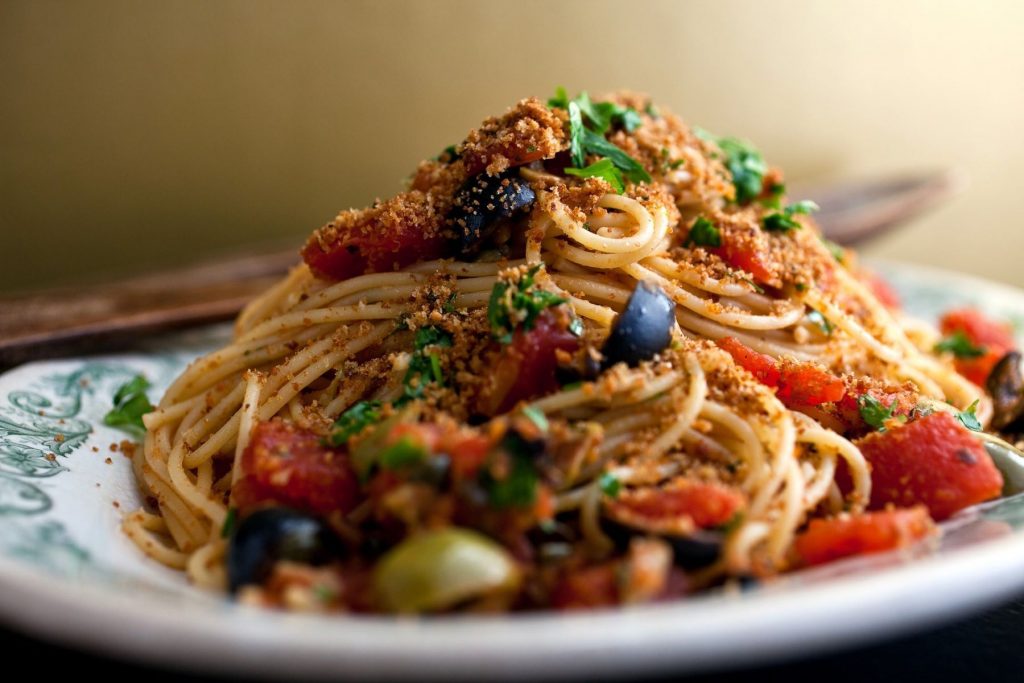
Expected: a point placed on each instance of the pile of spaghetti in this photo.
(591, 356)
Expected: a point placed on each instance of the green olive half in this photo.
(435, 570)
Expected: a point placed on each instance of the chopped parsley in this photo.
(745, 164)
(609, 485)
(402, 453)
(590, 139)
(823, 323)
(449, 305)
(774, 198)
(603, 169)
(230, 522)
(652, 111)
(968, 418)
(354, 420)
(959, 345)
(517, 486)
(424, 367)
(130, 404)
(518, 305)
(783, 221)
(537, 417)
(703, 233)
(874, 412)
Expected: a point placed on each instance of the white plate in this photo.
(67, 572)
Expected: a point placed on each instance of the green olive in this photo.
(435, 570)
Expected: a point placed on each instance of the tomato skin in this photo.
(352, 255)
(993, 337)
(746, 259)
(287, 465)
(980, 330)
(933, 461)
(526, 367)
(764, 368)
(677, 506)
(826, 540)
(804, 384)
(796, 384)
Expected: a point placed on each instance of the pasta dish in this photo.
(591, 356)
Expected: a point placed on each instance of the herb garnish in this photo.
(130, 404)
(745, 164)
(968, 418)
(424, 367)
(600, 116)
(959, 345)
(354, 420)
(230, 522)
(823, 323)
(703, 233)
(838, 253)
(783, 221)
(874, 412)
(603, 169)
(518, 304)
(609, 485)
(517, 486)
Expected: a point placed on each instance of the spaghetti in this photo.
(465, 397)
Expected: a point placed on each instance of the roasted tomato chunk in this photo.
(746, 259)
(880, 288)
(933, 461)
(826, 540)
(287, 465)
(796, 384)
(391, 235)
(992, 338)
(526, 367)
(678, 507)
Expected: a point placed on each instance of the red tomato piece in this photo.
(933, 461)
(994, 338)
(826, 540)
(796, 384)
(980, 330)
(805, 384)
(468, 454)
(678, 507)
(526, 367)
(394, 234)
(764, 368)
(290, 466)
(880, 288)
(587, 588)
(746, 259)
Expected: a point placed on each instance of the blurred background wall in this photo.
(137, 134)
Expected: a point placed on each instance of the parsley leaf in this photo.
(784, 221)
(968, 418)
(959, 345)
(609, 485)
(354, 420)
(874, 412)
(703, 233)
(561, 98)
(585, 140)
(823, 323)
(518, 305)
(424, 367)
(596, 144)
(517, 486)
(747, 167)
(130, 404)
(603, 169)
(576, 131)
(230, 522)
